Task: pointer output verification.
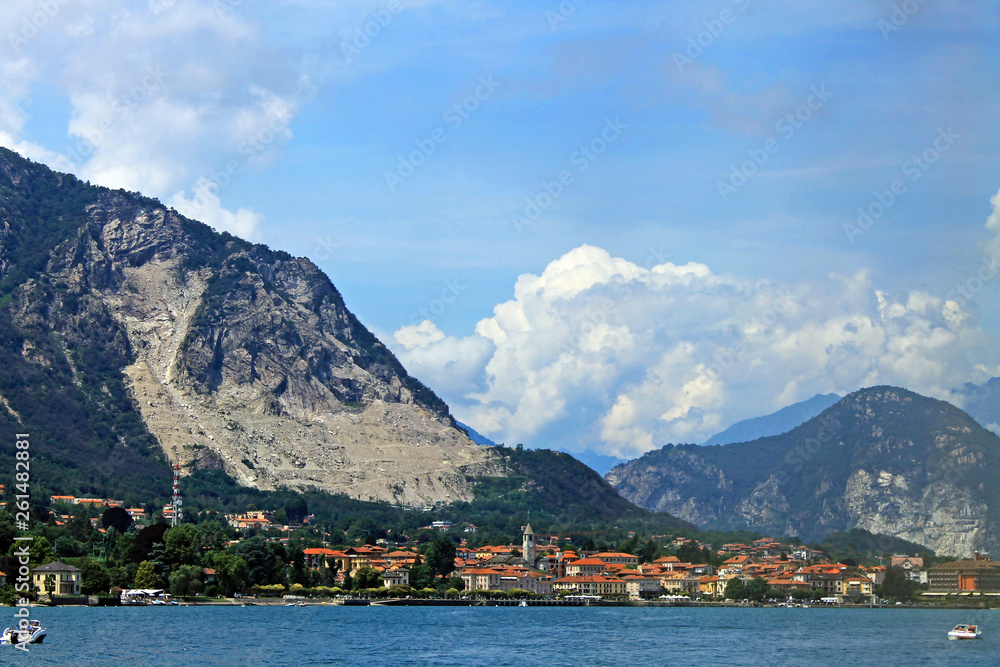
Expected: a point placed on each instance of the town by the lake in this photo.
(106, 554)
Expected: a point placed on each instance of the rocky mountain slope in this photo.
(133, 336)
(882, 459)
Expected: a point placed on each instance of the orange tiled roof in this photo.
(612, 554)
(589, 561)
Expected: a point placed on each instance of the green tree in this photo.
(79, 527)
(734, 589)
(441, 557)
(145, 541)
(182, 545)
(629, 546)
(119, 548)
(7, 532)
(263, 564)
(647, 554)
(119, 576)
(117, 518)
(67, 547)
(367, 576)
(230, 572)
(186, 580)
(296, 508)
(95, 577)
(214, 534)
(39, 551)
(756, 590)
(690, 552)
(145, 576)
(9, 595)
(421, 575)
(897, 585)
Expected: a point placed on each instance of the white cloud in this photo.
(449, 364)
(598, 352)
(993, 225)
(205, 206)
(162, 95)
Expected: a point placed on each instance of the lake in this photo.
(491, 636)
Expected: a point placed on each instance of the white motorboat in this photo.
(965, 631)
(35, 634)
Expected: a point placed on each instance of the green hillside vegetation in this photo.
(85, 432)
(862, 546)
(559, 494)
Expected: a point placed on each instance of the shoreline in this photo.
(442, 602)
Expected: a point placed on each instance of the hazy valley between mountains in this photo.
(133, 338)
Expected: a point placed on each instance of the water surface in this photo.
(491, 636)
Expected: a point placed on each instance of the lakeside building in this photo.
(980, 575)
(505, 579)
(596, 584)
(396, 576)
(913, 566)
(57, 578)
(640, 587)
(586, 566)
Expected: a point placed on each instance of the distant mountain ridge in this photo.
(776, 423)
(883, 459)
(601, 463)
(476, 436)
(982, 402)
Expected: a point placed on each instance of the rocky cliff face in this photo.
(237, 357)
(883, 459)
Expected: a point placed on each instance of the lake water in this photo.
(491, 636)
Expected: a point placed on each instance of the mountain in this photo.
(775, 423)
(601, 463)
(559, 493)
(982, 402)
(132, 337)
(476, 436)
(883, 459)
(860, 544)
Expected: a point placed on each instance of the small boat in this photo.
(524, 603)
(35, 634)
(965, 631)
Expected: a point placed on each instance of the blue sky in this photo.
(578, 327)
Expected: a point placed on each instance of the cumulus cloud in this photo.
(206, 207)
(598, 352)
(993, 225)
(170, 97)
(455, 364)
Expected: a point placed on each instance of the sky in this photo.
(592, 226)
